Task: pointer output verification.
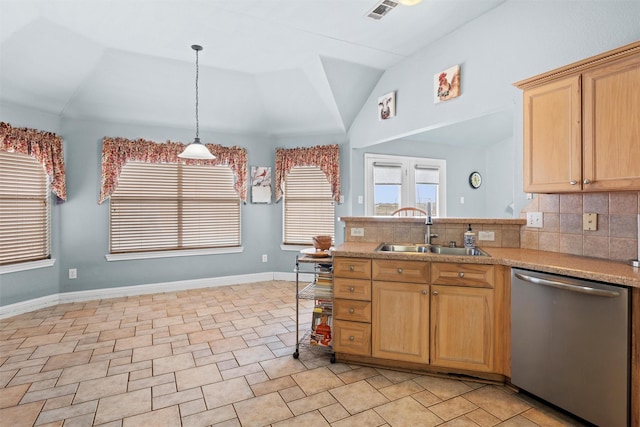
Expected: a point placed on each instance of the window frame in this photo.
(327, 198)
(40, 191)
(408, 185)
(179, 197)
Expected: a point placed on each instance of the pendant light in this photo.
(197, 150)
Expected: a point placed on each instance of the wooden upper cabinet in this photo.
(611, 113)
(552, 137)
(581, 125)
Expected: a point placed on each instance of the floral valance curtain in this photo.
(326, 157)
(45, 147)
(116, 152)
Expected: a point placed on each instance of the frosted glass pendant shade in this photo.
(196, 150)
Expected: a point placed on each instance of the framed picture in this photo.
(260, 184)
(446, 84)
(387, 106)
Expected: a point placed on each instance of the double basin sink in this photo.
(434, 249)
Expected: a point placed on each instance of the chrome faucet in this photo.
(429, 235)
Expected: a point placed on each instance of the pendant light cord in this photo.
(197, 73)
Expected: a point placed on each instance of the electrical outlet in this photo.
(357, 232)
(488, 236)
(265, 258)
(534, 219)
(360, 200)
(590, 221)
(73, 273)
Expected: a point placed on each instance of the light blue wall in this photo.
(80, 225)
(517, 40)
(482, 202)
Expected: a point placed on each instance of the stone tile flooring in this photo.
(218, 357)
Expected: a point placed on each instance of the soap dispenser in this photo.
(469, 238)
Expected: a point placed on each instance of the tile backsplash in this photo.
(616, 237)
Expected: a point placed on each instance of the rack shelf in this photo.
(320, 289)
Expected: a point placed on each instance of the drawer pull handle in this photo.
(351, 311)
(351, 268)
(424, 292)
(351, 338)
(573, 182)
(587, 181)
(461, 275)
(399, 271)
(351, 289)
(435, 292)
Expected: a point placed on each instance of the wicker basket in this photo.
(322, 243)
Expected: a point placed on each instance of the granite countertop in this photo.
(582, 267)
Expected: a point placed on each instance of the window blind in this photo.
(174, 206)
(24, 209)
(308, 205)
(387, 173)
(427, 175)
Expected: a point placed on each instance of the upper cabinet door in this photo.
(611, 137)
(552, 137)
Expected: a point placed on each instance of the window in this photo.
(308, 205)
(24, 209)
(393, 182)
(171, 206)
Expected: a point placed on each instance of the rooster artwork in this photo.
(447, 84)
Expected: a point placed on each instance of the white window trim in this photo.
(407, 164)
(24, 266)
(294, 248)
(173, 254)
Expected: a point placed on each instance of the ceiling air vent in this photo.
(382, 8)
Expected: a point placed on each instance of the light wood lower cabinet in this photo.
(352, 306)
(448, 317)
(462, 325)
(400, 321)
(352, 337)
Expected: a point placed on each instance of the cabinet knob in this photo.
(461, 274)
(573, 182)
(351, 268)
(351, 338)
(586, 181)
(399, 271)
(351, 289)
(351, 311)
(435, 292)
(424, 292)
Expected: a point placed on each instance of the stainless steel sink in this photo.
(434, 249)
(385, 247)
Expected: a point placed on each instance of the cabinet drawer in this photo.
(352, 289)
(400, 271)
(356, 311)
(354, 268)
(352, 337)
(474, 275)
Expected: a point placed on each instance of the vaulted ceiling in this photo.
(273, 67)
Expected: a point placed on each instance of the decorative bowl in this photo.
(322, 243)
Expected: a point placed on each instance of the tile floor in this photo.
(218, 357)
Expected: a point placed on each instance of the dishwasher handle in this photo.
(568, 286)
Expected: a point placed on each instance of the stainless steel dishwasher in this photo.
(570, 344)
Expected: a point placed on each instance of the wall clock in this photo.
(475, 179)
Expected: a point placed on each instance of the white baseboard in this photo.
(123, 291)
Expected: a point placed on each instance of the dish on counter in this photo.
(314, 253)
